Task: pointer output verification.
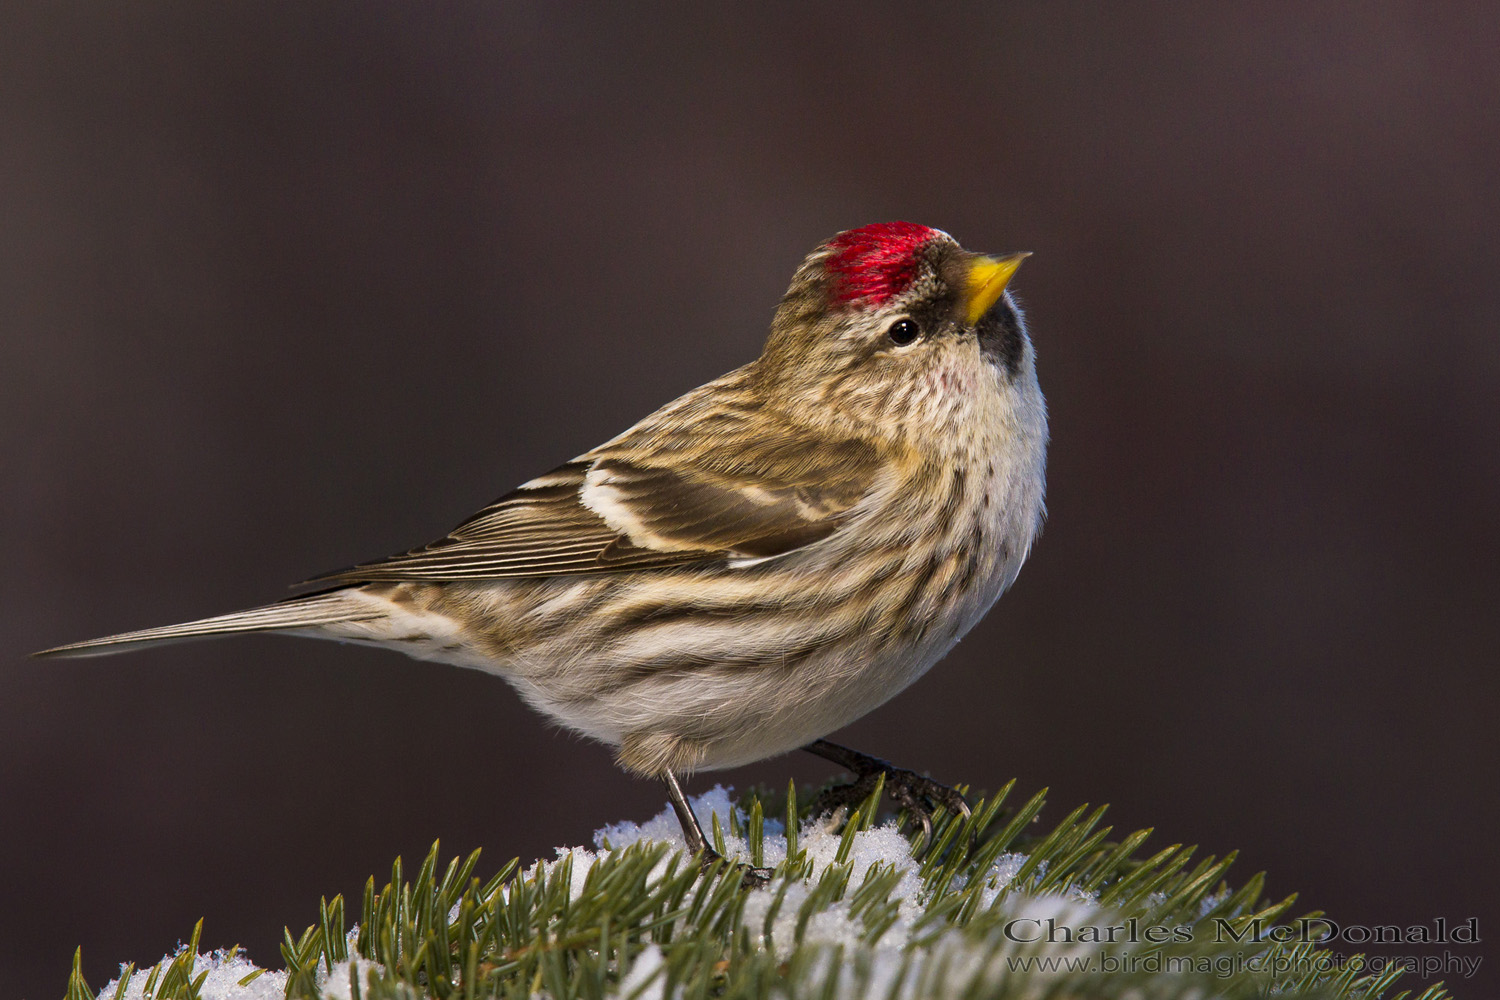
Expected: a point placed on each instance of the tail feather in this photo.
(325, 608)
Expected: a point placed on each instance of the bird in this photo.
(757, 563)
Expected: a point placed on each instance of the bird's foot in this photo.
(751, 877)
(698, 843)
(919, 795)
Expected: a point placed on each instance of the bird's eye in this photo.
(903, 332)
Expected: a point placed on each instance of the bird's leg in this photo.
(692, 832)
(920, 796)
(697, 841)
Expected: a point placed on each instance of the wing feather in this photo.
(626, 507)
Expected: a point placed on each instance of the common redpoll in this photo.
(759, 562)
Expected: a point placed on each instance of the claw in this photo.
(926, 819)
(752, 877)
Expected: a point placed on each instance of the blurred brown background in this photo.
(284, 287)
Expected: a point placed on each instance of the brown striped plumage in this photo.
(761, 561)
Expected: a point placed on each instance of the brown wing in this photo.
(607, 513)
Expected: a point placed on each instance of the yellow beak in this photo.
(988, 277)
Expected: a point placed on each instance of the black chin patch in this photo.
(999, 333)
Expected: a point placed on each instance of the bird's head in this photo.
(896, 328)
